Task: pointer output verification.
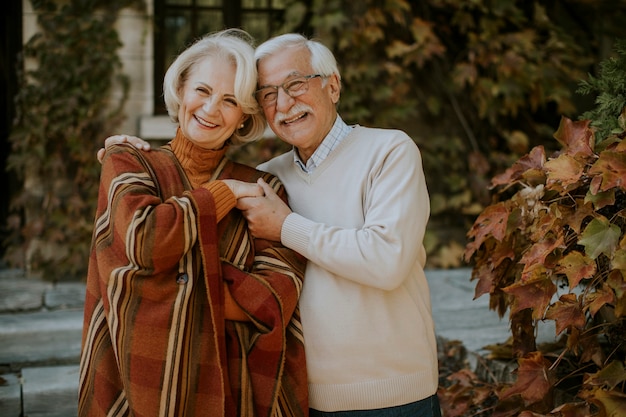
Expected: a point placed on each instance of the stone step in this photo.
(50, 391)
(40, 338)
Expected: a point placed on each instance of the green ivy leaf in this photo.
(600, 236)
(601, 199)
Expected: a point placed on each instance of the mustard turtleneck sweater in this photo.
(200, 164)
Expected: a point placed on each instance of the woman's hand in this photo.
(117, 139)
(244, 189)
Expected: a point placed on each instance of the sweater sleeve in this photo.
(395, 205)
(224, 198)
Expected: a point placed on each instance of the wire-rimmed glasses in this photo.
(295, 87)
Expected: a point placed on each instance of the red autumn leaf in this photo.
(539, 251)
(501, 252)
(534, 379)
(611, 167)
(482, 273)
(564, 173)
(575, 136)
(566, 313)
(535, 294)
(491, 222)
(576, 266)
(534, 160)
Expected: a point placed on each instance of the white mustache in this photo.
(298, 108)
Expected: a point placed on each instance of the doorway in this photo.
(11, 46)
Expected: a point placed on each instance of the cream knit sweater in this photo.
(360, 219)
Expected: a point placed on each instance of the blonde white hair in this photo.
(236, 46)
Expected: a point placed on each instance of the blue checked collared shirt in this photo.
(339, 131)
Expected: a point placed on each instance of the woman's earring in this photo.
(241, 126)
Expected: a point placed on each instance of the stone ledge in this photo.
(10, 396)
(50, 391)
(41, 337)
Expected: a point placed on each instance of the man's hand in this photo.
(117, 139)
(243, 189)
(266, 214)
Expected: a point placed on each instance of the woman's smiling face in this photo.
(209, 112)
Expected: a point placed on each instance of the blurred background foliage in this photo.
(64, 110)
(476, 84)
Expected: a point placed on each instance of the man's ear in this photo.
(334, 87)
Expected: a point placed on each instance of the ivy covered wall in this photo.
(476, 84)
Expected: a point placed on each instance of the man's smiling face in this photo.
(305, 120)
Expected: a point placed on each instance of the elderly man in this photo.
(360, 209)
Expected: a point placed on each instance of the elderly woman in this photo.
(185, 313)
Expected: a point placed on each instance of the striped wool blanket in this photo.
(155, 341)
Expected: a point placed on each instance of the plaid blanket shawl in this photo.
(155, 341)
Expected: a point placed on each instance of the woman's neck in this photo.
(199, 163)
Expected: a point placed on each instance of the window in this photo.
(179, 22)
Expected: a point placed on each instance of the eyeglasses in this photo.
(295, 87)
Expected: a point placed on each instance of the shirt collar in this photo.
(337, 133)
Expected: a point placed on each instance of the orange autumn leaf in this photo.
(547, 222)
(564, 173)
(611, 167)
(566, 313)
(491, 222)
(534, 379)
(612, 402)
(576, 266)
(600, 298)
(534, 160)
(574, 217)
(579, 409)
(575, 136)
(619, 258)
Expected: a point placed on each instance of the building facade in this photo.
(151, 37)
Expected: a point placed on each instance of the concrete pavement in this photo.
(41, 324)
